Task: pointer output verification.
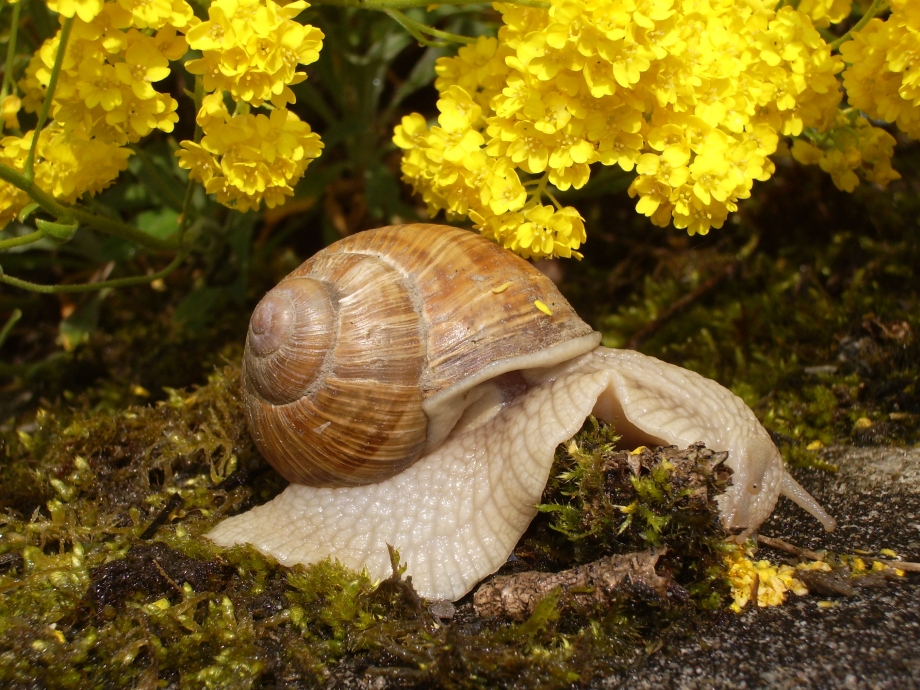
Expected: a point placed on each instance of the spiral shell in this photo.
(366, 355)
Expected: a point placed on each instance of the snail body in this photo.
(413, 382)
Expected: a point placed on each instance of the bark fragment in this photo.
(515, 596)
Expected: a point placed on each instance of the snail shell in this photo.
(367, 355)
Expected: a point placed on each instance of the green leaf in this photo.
(422, 75)
(382, 191)
(201, 307)
(160, 223)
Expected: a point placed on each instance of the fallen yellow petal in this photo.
(501, 288)
(542, 307)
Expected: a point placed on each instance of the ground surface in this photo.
(871, 640)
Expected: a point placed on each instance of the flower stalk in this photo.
(101, 285)
(10, 57)
(876, 7)
(49, 97)
(65, 213)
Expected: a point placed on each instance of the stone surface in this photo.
(871, 640)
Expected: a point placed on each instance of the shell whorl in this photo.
(343, 352)
(290, 335)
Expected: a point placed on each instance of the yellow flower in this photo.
(546, 231)
(503, 190)
(84, 9)
(458, 111)
(143, 65)
(98, 84)
(410, 133)
(251, 48)
(853, 148)
(692, 94)
(9, 111)
(155, 14)
(201, 164)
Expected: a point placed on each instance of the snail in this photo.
(413, 382)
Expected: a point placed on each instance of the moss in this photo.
(814, 338)
(606, 501)
(106, 581)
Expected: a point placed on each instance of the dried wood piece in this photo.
(791, 548)
(515, 596)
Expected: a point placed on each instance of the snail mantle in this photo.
(413, 382)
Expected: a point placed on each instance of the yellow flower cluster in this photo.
(852, 146)
(67, 165)
(883, 73)
(104, 97)
(693, 94)
(769, 583)
(823, 13)
(251, 49)
(247, 159)
(105, 90)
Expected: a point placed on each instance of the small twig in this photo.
(681, 305)
(166, 576)
(175, 501)
(22, 240)
(516, 596)
(430, 30)
(64, 212)
(413, 30)
(900, 565)
(790, 548)
(686, 301)
(8, 82)
(49, 96)
(818, 556)
(10, 322)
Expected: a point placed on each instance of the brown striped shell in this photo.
(367, 354)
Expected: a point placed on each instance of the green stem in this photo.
(10, 56)
(399, 18)
(24, 239)
(186, 218)
(49, 96)
(90, 287)
(10, 322)
(419, 28)
(876, 7)
(536, 196)
(553, 199)
(383, 5)
(84, 217)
